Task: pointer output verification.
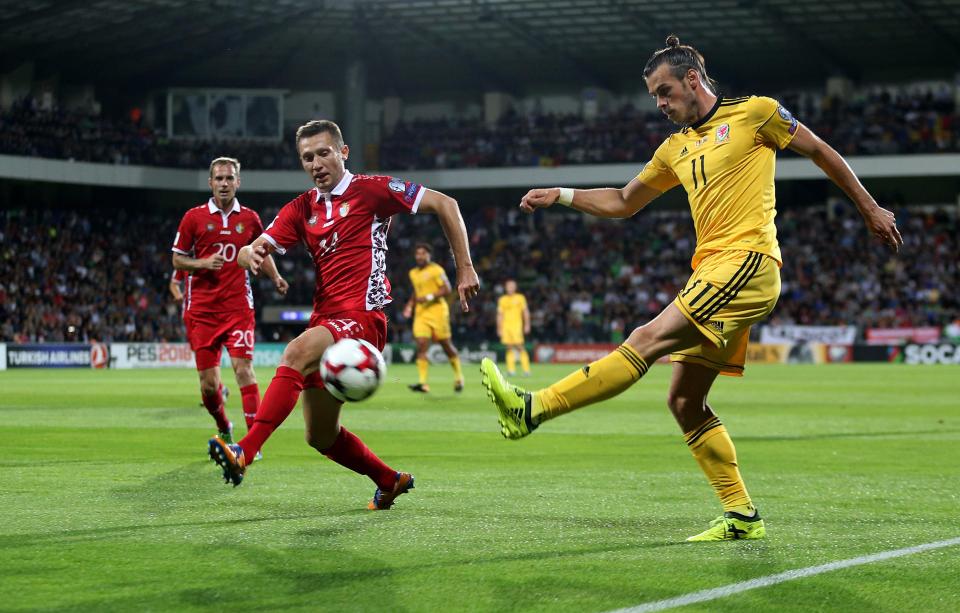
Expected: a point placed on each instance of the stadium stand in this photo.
(872, 123)
(30, 130)
(879, 122)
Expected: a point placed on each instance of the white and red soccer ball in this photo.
(352, 369)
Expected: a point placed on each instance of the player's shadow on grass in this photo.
(634, 526)
(93, 534)
(186, 485)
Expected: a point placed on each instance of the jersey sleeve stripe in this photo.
(273, 242)
(180, 251)
(416, 202)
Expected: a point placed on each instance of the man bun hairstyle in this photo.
(319, 126)
(680, 58)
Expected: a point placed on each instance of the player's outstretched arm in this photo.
(251, 256)
(880, 222)
(447, 209)
(610, 202)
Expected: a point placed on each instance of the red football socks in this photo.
(214, 405)
(251, 401)
(278, 401)
(349, 451)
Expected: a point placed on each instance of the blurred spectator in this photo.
(592, 279)
(91, 276)
(26, 129)
(871, 123)
(105, 276)
(867, 124)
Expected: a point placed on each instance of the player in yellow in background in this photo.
(431, 316)
(724, 157)
(513, 321)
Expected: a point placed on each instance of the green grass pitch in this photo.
(109, 502)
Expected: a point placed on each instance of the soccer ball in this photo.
(352, 369)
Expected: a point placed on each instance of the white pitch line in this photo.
(735, 588)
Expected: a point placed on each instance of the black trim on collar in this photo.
(708, 116)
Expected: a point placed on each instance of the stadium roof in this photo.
(424, 47)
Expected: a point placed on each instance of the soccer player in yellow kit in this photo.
(723, 156)
(513, 321)
(431, 316)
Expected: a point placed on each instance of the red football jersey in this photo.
(346, 233)
(205, 231)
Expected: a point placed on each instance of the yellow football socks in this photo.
(423, 365)
(714, 451)
(457, 371)
(525, 361)
(602, 379)
(511, 361)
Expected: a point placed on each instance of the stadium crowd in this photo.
(864, 124)
(28, 129)
(595, 280)
(66, 275)
(867, 124)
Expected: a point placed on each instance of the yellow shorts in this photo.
(511, 336)
(727, 293)
(436, 327)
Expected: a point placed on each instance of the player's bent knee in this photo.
(304, 352)
(641, 338)
(245, 375)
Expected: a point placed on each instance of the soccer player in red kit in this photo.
(218, 302)
(343, 222)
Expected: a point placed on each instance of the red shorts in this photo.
(370, 326)
(209, 332)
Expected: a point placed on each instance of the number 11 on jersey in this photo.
(703, 172)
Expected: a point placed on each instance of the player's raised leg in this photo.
(713, 450)
(521, 412)
(321, 414)
(301, 357)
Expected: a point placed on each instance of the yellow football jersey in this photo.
(512, 306)
(429, 280)
(725, 162)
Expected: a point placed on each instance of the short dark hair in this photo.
(319, 126)
(423, 246)
(680, 58)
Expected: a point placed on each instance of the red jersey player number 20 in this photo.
(205, 231)
(218, 303)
